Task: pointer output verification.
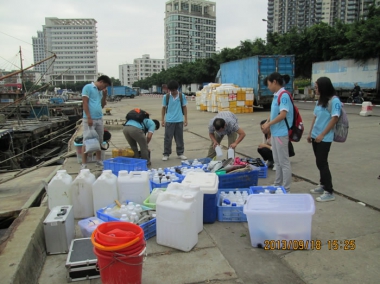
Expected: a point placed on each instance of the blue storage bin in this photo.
(258, 189)
(126, 164)
(148, 227)
(209, 208)
(239, 180)
(231, 213)
(263, 173)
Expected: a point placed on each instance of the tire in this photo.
(132, 96)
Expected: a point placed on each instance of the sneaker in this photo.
(83, 166)
(274, 167)
(318, 189)
(99, 163)
(270, 164)
(165, 158)
(182, 157)
(326, 196)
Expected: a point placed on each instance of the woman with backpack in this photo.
(281, 115)
(326, 114)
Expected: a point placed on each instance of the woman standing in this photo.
(276, 122)
(326, 115)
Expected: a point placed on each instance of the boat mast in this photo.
(22, 71)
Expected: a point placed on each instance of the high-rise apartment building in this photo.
(74, 41)
(39, 51)
(190, 30)
(140, 69)
(283, 15)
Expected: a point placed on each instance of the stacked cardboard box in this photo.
(225, 97)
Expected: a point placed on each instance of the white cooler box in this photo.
(275, 220)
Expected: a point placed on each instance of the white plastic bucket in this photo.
(59, 189)
(133, 186)
(81, 194)
(104, 190)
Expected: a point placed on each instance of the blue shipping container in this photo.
(250, 72)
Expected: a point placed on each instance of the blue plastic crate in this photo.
(258, 189)
(125, 164)
(148, 227)
(239, 180)
(165, 184)
(263, 173)
(231, 213)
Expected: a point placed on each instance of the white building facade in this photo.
(283, 15)
(190, 31)
(140, 69)
(74, 41)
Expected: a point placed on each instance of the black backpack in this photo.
(137, 114)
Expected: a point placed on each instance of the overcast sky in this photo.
(127, 29)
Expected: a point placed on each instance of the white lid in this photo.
(208, 182)
(280, 203)
(107, 171)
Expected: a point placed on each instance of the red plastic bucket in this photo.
(117, 233)
(118, 268)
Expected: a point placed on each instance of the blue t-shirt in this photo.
(94, 101)
(149, 124)
(323, 117)
(174, 111)
(280, 128)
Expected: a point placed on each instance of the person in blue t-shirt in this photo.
(174, 117)
(140, 134)
(278, 128)
(326, 114)
(94, 98)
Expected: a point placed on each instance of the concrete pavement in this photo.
(224, 253)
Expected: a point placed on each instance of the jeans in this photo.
(321, 152)
(173, 129)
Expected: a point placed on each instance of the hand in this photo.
(185, 123)
(266, 128)
(163, 123)
(319, 138)
(233, 145)
(89, 121)
(215, 144)
(104, 91)
(308, 138)
(262, 145)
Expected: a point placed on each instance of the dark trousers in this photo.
(266, 153)
(321, 152)
(173, 130)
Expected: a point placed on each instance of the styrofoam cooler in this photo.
(176, 221)
(59, 189)
(208, 182)
(81, 194)
(104, 190)
(279, 217)
(196, 192)
(133, 186)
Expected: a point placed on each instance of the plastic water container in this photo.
(219, 152)
(88, 225)
(230, 153)
(176, 221)
(208, 183)
(104, 190)
(133, 186)
(196, 192)
(279, 217)
(59, 192)
(81, 194)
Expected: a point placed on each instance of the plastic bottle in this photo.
(230, 153)
(279, 190)
(108, 211)
(160, 171)
(219, 152)
(124, 218)
(138, 208)
(134, 217)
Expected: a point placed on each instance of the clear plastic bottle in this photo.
(134, 218)
(279, 190)
(124, 218)
(219, 152)
(230, 153)
(108, 211)
(138, 208)
(123, 210)
(160, 171)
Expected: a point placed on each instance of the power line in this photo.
(16, 38)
